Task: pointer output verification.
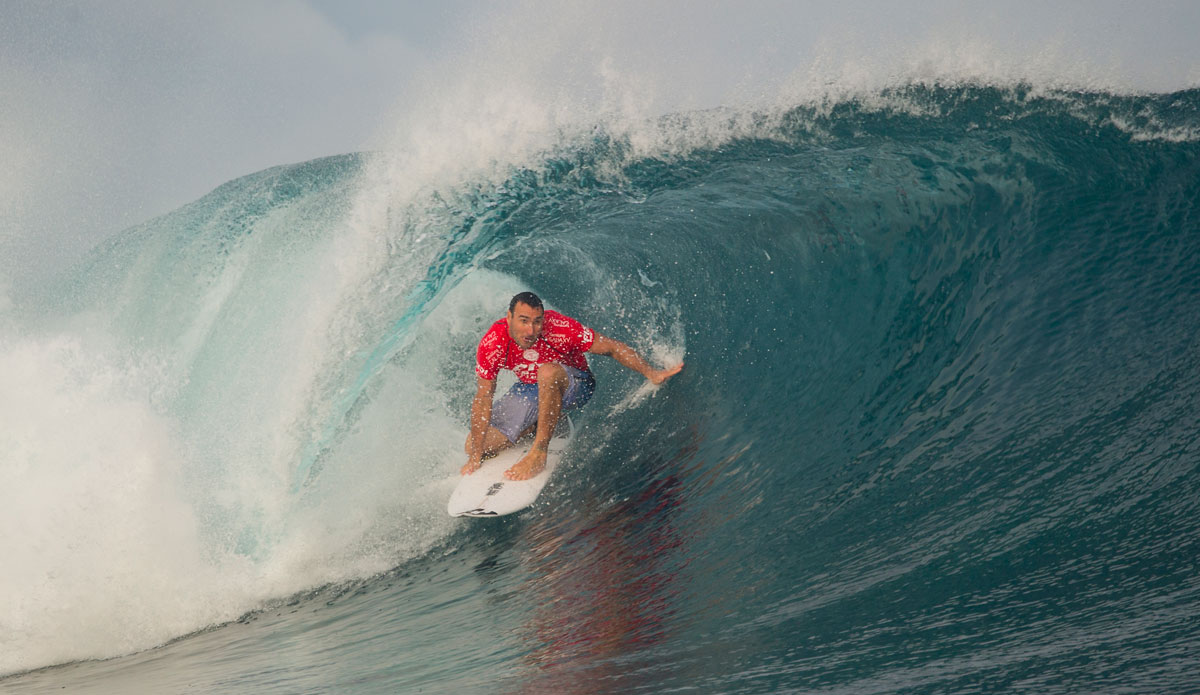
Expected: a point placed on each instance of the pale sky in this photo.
(114, 112)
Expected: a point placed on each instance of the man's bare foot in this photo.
(471, 466)
(530, 465)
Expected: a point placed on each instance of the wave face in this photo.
(937, 430)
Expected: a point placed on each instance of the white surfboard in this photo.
(486, 492)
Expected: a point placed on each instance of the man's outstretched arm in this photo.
(629, 358)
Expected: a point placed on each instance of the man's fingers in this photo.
(664, 374)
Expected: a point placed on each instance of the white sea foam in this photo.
(101, 553)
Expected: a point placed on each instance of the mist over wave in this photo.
(937, 359)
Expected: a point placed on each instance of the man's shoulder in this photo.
(496, 328)
(567, 333)
(490, 353)
(496, 334)
(557, 320)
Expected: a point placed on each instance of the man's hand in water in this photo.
(657, 376)
(629, 359)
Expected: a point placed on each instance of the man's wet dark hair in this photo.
(527, 298)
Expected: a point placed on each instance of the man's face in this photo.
(525, 325)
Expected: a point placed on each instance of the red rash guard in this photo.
(563, 340)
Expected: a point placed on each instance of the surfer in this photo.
(545, 349)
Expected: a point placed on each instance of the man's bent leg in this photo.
(513, 414)
(552, 384)
(493, 441)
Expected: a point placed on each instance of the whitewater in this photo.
(937, 430)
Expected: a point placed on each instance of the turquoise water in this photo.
(937, 430)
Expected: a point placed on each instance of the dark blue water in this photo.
(937, 431)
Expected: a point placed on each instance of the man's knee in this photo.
(552, 374)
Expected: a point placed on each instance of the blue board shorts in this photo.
(517, 410)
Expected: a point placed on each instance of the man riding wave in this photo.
(545, 349)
